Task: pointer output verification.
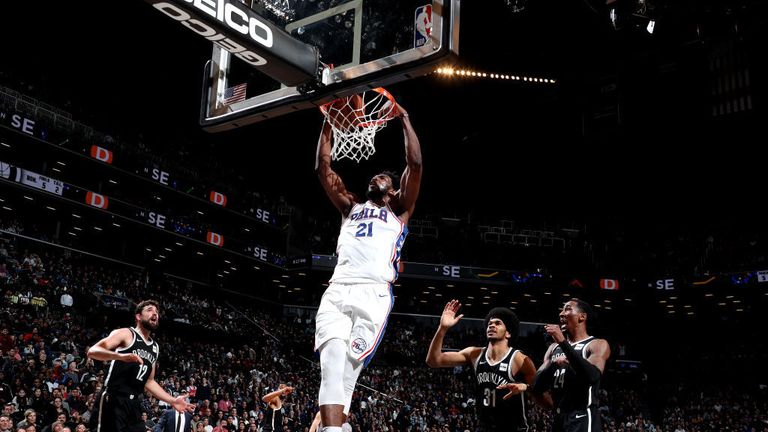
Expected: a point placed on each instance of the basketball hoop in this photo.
(355, 120)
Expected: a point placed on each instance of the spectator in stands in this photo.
(221, 426)
(76, 401)
(225, 404)
(191, 390)
(59, 406)
(206, 424)
(6, 340)
(9, 410)
(30, 419)
(21, 401)
(42, 356)
(13, 356)
(149, 424)
(39, 404)
(71, 377)
(233, 416)
(32, 336)
(57, 424)
(5, 423)
(204, 392)
(174, 421)
(66, 300)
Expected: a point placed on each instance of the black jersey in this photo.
(493, 412)
(273, 420)
(129, 378)
(569, 393)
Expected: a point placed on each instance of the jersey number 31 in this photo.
(489, 398)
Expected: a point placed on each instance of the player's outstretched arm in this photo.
(332, 184)
(435, 356)
(179, 403)
(272, 397)
(104, 349)
(410, 182)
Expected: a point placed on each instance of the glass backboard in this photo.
(361, 44)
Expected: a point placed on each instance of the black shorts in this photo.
(577, 421)
(113, 413)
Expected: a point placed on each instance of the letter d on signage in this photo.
(96, 200)
(215, 239)
(101, 154)
(609, 284)
(218, 198)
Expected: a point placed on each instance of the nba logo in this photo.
(422, 28)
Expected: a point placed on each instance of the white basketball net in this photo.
(355, 120)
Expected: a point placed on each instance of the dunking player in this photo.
(572, 369)
(133, 355)
(353, 311)
(273, 420)
(502, 372)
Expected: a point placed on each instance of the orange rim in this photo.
(380, 90)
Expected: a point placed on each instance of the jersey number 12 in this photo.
(142, 371)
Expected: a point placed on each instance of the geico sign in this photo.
(233, 17)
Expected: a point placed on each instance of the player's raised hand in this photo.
(449, 318)
(555, 331)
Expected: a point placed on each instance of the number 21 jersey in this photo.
(369, 245)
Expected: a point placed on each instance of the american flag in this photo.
(235, 94)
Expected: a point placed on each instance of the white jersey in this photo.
(369, 245)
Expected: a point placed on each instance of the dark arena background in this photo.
(625, 169)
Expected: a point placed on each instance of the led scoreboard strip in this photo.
(32, 179)
(446, 272)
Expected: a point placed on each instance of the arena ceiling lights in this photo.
(450, 72)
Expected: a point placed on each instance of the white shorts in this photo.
(356, 314)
